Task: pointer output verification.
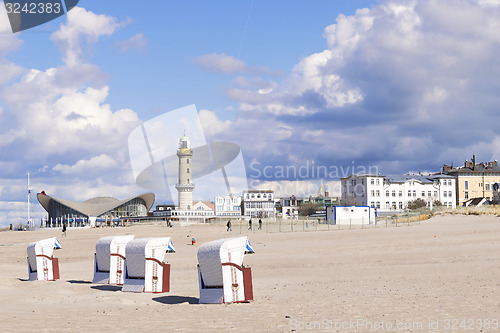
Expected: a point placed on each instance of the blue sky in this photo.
(339, 85)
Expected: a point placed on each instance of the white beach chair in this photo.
(41, 264)
(221, 274)
(144, 267)
(109, 259)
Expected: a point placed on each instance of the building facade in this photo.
(259, 204)
(394, 192)
(229, 205)
(87, 212)
(474, 180)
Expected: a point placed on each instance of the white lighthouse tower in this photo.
(184, 186)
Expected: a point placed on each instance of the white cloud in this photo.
(97, 163)
(8, 40)
(220, 63)
(81, 23)
(136, 42)
(58, 118)
(211, 124)
(224, 64)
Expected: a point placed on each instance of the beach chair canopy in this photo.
(106, 246)
(44, 246)
(211, 255)
(138, 250)
(41, 264)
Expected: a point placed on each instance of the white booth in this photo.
(222, 276)
(145, 270)
(109, 259)
(41, 263)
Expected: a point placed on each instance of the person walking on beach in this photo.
(229, 226)
(260, 224)
(64, 229)
(250, 224)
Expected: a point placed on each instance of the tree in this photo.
(307, 208)
(417, 203)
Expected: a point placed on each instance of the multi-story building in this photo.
(229, 205)
(258, 203)
(394, 192)
(474, 180)
(289, 206)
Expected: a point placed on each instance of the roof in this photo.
(424, 179)
(480, 167)
(96, 206)
(206, 204)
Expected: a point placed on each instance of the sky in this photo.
(309, 91)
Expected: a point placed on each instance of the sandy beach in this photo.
(442, 275)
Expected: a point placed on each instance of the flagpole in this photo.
(29, 190)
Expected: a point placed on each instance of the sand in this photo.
(411, 278)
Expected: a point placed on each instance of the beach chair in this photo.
(221, 274)
(41, 264)
(144, 267)
(109, 259)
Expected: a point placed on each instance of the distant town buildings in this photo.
(259, 204)
(289, 207)
(394, 192)
(474, 180)
(229, 205)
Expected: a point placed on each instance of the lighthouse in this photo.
(185, 187)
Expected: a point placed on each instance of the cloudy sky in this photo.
(310, 91)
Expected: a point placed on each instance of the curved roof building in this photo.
(91, 209)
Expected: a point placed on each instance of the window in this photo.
(372, 181)
(372, 204)
(373, 193)
(435, 193)
(264, 195)
(393, 205)
(487, 186)
(187, 161)
(466, 185)
(449, 182)
(423, 193)
(187, 170)
(449, 194)
(400, 205)
(444, 194)
(393, 193)
(414, 193)
(363, 181)
(466, 194)
(378, 194)
(387, 205)
(400, 193)
(378, 181)
(409, 193)
(378, 204)
(429, 193)
(387, 193)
